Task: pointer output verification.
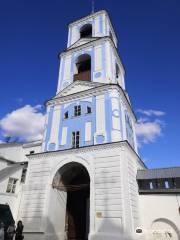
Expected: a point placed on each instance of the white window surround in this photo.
(11, 187)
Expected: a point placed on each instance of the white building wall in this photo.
(160, 210)
(12, 199)
(42, 210)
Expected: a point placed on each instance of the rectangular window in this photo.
(151, 185)
(24, 172)
(75, 139)
(166, 184)
(77, 110)
(88, 110)
(11, 187)
(66, 115)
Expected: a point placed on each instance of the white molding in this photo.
(98, 90)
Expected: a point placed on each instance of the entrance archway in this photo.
(74, 179)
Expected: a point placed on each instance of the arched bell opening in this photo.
(83, 68)
(86, 31)
(74, 179)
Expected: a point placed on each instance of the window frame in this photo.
(89, 110)
(24, 173)
(151, 185)
(76, 139)
(166, 184)
(11, 186)
(77, 110)
(66, 115)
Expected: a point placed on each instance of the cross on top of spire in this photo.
(92, 6)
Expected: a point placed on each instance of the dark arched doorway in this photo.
(73, 178)
(83, 68)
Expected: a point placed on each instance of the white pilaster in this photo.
(55, 126)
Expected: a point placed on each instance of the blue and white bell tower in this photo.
(91, 105)
(85, 176)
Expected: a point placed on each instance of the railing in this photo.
(86, 76)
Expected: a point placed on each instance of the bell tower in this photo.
(85, 176)
(91, 105)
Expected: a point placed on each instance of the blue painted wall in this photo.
(77, 123)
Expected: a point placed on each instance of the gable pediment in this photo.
(78, 86)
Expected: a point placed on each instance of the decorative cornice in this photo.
(80, 47)
(75, 84)
(32, 144)
(87, 149)
(86, 40)
(91, 92)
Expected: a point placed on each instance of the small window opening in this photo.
(32, 152)
(11, 187)
(117, 71)
(89, 110)
(86, 31)
(75, 139)
(151, 185)
(166, 184)
(77, 110)
(24, 172)
(66, 115)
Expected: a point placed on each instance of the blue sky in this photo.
(32, 33)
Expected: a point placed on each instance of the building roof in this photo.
(6, 172)
(158, 173)
(6, 160)
(10, 144)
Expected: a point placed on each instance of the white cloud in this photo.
(147, 132)
(26, 123)
(151, 112)
(149, 129)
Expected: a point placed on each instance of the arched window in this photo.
(86, 31)
(83, 68)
